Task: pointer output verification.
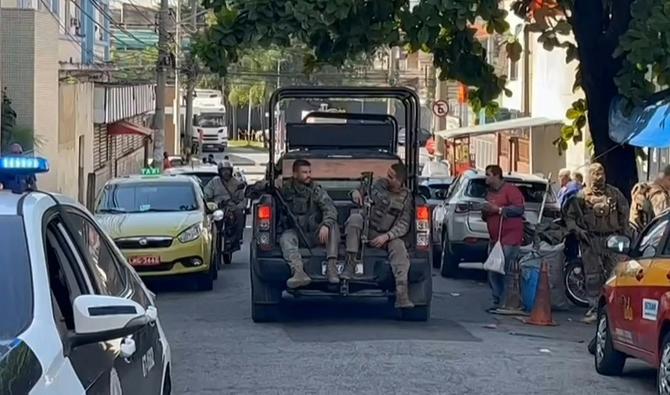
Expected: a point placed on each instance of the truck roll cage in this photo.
(406, 96)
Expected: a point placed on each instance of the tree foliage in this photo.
(335, 31)
(134, 65)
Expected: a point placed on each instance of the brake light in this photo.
(264, 226)
(264, 213)
(422, 227)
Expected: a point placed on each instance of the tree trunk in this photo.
(597, 38)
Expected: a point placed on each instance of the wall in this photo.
(30, 73)
(544, 156)
(75, 121)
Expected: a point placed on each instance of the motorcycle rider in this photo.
(228, 192)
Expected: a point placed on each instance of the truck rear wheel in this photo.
(418, 313)
(265, 312)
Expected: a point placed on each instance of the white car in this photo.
(76, 318)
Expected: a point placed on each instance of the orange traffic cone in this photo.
(541, 314)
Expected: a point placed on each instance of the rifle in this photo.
(276, 193)
(366, 188)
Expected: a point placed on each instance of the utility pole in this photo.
(190, 83)
(163, 61)
(177, 87)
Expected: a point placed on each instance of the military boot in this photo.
(331, 271)
(349, 267)
(401, 296)
(299, 278)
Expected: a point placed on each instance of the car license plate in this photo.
(340, 268)
(144, 260)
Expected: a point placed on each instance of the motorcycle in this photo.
(225, 235)
(573, 273)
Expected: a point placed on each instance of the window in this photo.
(63, 279)
(651, 238)
(100, 260)
(16, 287)
(140, 197)
(514, 66)
(533, 192)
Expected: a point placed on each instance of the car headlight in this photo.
(190, 234)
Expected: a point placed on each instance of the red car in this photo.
(634, 313)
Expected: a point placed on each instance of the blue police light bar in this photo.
(23, 165)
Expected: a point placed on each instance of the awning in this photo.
(646, 126)
(518, 123)
(124, 127)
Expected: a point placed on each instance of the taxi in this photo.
(76, 318)
(634, 309)
(162, 226)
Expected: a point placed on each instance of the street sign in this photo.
(440, 108)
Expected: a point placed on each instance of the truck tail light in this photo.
(264, 226)
(422, 227)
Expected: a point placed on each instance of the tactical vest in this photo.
(386, 207)
(641, 211)
(601, 211)
(302, 204)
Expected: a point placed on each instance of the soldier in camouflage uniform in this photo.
(317, 217)
(227, 191)
(596, 213)
(649, 200)
(389, 222)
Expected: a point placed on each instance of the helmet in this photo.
(225, 164)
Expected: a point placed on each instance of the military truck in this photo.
(339, 153)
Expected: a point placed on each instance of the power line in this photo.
(132, 4)
(102, 12)
(99, 25)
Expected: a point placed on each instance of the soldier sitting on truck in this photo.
(316, 215)
(389, 222)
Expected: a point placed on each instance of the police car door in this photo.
(91, 363)
(139, 365)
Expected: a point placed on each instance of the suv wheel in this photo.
(609, 362)
(450, 262)
(264, 312)
(437, 257)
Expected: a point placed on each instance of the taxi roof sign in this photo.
(151, 171)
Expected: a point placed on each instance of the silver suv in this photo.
(460, 234)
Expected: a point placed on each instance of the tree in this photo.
(8, 121)
(135, 65)
(617, 43)
(620, 52)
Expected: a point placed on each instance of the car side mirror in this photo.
(100, 318)
(212, 207)
(619, 244)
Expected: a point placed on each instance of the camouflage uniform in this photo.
(313, 208)
(648, 201)
(596, 213)
(226, 194)
(390, 214)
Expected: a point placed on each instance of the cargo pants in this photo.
(598, 264)
(290, 242)
(398, 256)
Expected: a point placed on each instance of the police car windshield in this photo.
(147, 197)
(16, 289)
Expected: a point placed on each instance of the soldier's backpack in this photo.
(641, 211)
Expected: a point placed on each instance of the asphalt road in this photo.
(356, 346)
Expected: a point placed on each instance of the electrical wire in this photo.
(101, 26)
(101, 10)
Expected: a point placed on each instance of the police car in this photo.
(76, 318)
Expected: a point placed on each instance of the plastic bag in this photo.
(496, 259)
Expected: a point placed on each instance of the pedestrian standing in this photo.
(504, 202)
(563, 179)
(166, 161)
